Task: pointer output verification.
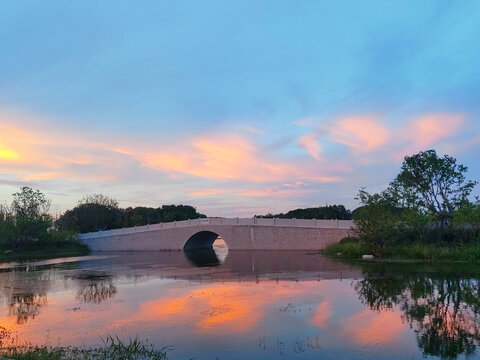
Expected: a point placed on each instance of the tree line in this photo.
(99, 212)
(327, 212)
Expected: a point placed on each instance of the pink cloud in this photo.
(311, 145)
(296, 184)
(363, 133)
(431, 128)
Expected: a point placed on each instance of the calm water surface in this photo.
(245, 305)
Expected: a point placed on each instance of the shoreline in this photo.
(404, 253)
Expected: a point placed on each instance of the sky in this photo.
(235, 107)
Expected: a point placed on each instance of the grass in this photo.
(433, 253)
(45, 251)
(113, 349)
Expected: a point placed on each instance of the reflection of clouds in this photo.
(370, 327)
(322, 314)
(210, 308)
(216, 308)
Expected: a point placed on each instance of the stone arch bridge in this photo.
(238, 234)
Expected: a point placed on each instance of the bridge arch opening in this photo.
(205, 248)
(204, 240)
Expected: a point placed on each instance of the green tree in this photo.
(322, 212)
(99, 199)
(467, 219)
(436, 185)
(7, 225)
(30, 213)
(178, 213)
(377, 220)
(93, 213)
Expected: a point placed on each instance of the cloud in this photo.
(311, 145)
(206, 165)
(271, 192)
(426, 130)
(230, 157)
(363, 133)
(219, 167)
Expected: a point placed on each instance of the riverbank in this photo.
(405, 252)
(45, 251)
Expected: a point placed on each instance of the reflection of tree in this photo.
(4, 336)
(444, 311)
(96, 288)
(26, 305)
(24, 293)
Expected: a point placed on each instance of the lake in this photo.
(245, 305)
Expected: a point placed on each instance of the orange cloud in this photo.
(364, 134)
(31, 155)
(34, 153)
(230, 157)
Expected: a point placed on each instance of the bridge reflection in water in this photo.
(222, 264)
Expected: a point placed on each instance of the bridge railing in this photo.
(312, 223)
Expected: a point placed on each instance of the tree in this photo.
(377, 220)
(467, 219)
(93, 213)
(99, 199)
(7, 225)
(30, 203)
(30, 213)
(178, 213)
(436, 185)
